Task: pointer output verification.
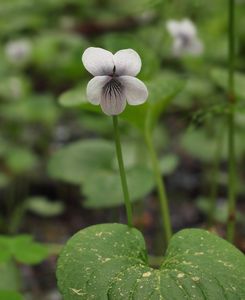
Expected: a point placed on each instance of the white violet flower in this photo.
(18, 51)
(185, 37)
(114, 83)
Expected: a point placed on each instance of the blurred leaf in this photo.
(161, 92)
(150, 60)
(221, 210)
(96, 123)
(162, 89)
(41, 109)
(58, 55)
(44, 207)
(74, 163)
(132, 7)
(5, 254)
(20, 160)
(14, 87)
(28, 252)
(103, 189)
(202, 144)
(168, 163)
(220, 77)
(77, 97)
(197, 90)
(10, 295)
(92, 164)
(24, 249)
(11, 281)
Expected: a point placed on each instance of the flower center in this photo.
(113, 74)
(185, 39)
(113, 88)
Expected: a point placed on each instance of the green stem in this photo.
(214, 180)
(122, 172)
(155, 261)
(161, 189)
(231, 130)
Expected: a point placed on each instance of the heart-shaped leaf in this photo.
(109, 261)
(77, 161)
(93, 165)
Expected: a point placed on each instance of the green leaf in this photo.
(14, 88)
(103, 189)
(57, 55)
(93, 165)
(168, 163)
(24, 249)
(20, 160)
(202, 144)
(44, 207)
(77, 161)
(11, 279)
(5, 253)
(162, 91)
(109, 261)
(10, 295)
(39, 109)
(220, 77)
(199, 144)
(75, 97)
(220, 212)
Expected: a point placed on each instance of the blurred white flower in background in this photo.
(185, 37)
(114, 80)
(18, 51)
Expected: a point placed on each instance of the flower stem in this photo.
(161, 189)
(231, 129)
(122, 172)
(214, 180)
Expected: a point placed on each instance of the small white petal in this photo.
(181, 28)
(95, 88)
(192, 47)
(196, 47)
(173, 27)
(98, 61)
(113, 100)
(127, 62)
(188, 28)
(135, 90)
